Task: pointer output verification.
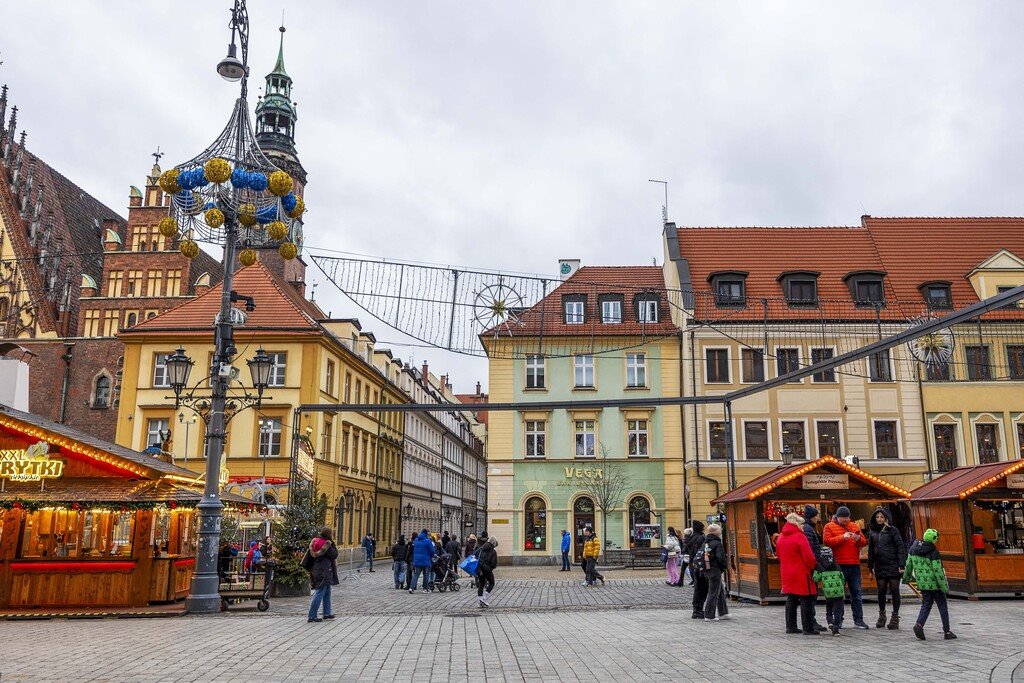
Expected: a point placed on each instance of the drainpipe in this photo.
(682, 430)
(67, 358)
(696, 439)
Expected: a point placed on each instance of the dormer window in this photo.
(866, 288)
(611, 308)
(574, 308)
(800, 288)
(646, 306)
(937, 295)
(729, 288)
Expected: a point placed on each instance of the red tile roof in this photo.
(958, 483)
(279, 307)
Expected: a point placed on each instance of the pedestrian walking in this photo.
(924, 565)
(700, 580)
(796, 566)
(887, 558)
(845, 538)
(323, 574)
(811, 514)
(398, 561)
(454, 549)
(684, 558)
(672, 550)
(592, 551)
(470, 545)
(422, 552)
(833, 586)
(566, 544)
(445, 539)
(715, 566)
(369, 548)
(408, 561)
(485, 571)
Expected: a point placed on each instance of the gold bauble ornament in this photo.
(169, 181)
(300, 208)
(189, 249)
(214, 218)
(288, 251)
(247, 215)
(280, 183)
(217, 170)
(247, 257)
(168, 227)
(277, 230)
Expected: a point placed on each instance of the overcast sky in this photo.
(507, 135)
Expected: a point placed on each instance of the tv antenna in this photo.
(664, 207)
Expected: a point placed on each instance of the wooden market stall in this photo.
(979, 514)
(756, 511)
(86, 523)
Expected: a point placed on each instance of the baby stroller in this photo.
(444, 573)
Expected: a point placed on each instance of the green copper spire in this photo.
(279, 67)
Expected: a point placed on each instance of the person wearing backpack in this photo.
(695, 549)
(924, 564)
(715, 565)
(833, 585)
(485, 571)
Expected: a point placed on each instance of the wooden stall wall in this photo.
(946, 517)
(747, 551)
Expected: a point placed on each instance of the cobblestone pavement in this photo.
(539, 629)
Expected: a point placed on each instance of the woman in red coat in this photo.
(796, 564)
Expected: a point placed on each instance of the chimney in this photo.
(568, 266)
(478, 389)
(425, 371)
(444, 382)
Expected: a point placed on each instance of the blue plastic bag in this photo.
(469, 565)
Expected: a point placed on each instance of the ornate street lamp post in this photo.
(231, 195)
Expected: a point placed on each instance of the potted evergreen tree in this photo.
(302, 519)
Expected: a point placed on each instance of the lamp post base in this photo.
(203, 604)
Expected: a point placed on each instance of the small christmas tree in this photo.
(301, 521)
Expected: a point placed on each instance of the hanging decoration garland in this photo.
(114, 506)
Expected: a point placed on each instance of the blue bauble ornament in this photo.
(288, 201)
(199, 177)
(239, 178)
(208, 206)
(266, 214)
(258, 181)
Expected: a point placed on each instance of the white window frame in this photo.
(768, 434)
(579, 364)
(265, 440)
(892, 368)
(575, 311)
(707, 437)
(636, 363)
(150, 433)
(614, 304)
(764, 365)
(899, 439)
(645, 452)
(538, 371)
(728, 365)
(160, 376)
(834, 371)
(991, 419)
(799, 356)
(647, 311)
(278, 370)
(534, 434)
(948, 419)
(842, 438)
(593, 436)
(782, 441)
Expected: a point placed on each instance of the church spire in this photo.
(276, 115)
(279, 67)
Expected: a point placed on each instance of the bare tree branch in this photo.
(608, 487)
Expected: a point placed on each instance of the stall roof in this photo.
(964, 481)
(784, 474)
(113, 490)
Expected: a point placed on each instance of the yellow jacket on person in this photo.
(592, 547)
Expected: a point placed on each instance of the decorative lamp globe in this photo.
(260, 367)
(178, 368)
(230, 68)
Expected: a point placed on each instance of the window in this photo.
(752, 365)
(131, 319)
(729, 293)
(111, 323)
(988, 442)
(755, 440)
(636, 431)
(978, 368)
(636, 369)
(879, 367)
(173, 283)
(535, 439)
(156, 429)
(345, 462)
(787, 361)
(886, 446)
(718, 440)
(793, 441)
(329, 377)
(937, 296)
(611, 310)
(160, 378)
(1006, 288)
(114, 283)
(154, 279)
(647, 309)
(583, 371)
(535, 525)
(134, 283)
(936, 371)
(585, 438)
(328, 437)
(1015, 361)
(717, 361)
(802, 292)
(1020, 439)
(575, 309)
(277, 369)
(270, 437)
(828, 439)
(92, 324)
(535, 371)
(946, 457)
(348, 387)
(101, 392)
(819, 356)
(868, 293)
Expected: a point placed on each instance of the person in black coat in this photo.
(695, 549)
(323, 574)
(398, 551)
(811, 514)
(887, 558)
(408, 565)
(485, 571)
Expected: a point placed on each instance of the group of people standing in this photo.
(410, 560)
(700, 554)
(833, 560)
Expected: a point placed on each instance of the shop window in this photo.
(535, 439)
(585, 438)
(946, 457)
(978, 367)
(636, 431)
(787, 361)
(755, 440)
(880, 367)
(535, 525)
(636, 370)
(828, 439)
(534, 371)
(752, 365)
(641, 531)
(886, 443)
(75, 533)
(820, 356)
(718, 440)
(793, 440)
(988, 442)
(717, 362)
(1000, 525)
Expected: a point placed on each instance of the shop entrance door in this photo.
(582, 517)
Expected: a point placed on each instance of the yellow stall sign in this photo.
(30, 464)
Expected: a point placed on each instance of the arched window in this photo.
(132, 320)
(641, 531)
(535, 525)
(101, 393)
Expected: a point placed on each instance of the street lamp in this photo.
(408, 514)
(260, 367)
(188, 423)
(229, 194)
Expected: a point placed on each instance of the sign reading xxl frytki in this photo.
(826, 480)
(30, 464)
